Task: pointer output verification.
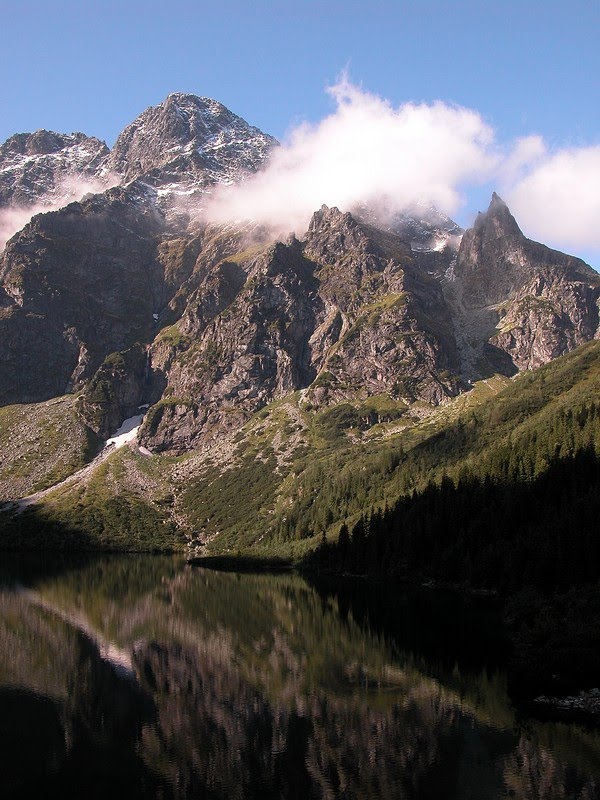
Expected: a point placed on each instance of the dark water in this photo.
(141, 677)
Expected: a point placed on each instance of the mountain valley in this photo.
(266, 370)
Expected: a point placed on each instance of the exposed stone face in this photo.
(130, 301)
(246, 342)
(354, 257)
(115, 391)
(189, 139)
(425, 228)
(492, 261)
(544, 303)
(547, 318)
(80, 283)
(42, 167)
(396, 334)
(97, 276)
(346, 309)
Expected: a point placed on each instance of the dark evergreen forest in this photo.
(504, 499)
(486, 532)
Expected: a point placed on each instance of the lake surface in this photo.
(144, 677)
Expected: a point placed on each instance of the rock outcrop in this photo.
(188, 140)
(542, 302)
(128, 299)
(346, 313)
(115, 392)
(79, 283)
(44, 167)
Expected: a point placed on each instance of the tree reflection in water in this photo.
(142, 677)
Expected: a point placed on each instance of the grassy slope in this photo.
(336, 471)
(40, 444)
(124, 505)
(293, 474)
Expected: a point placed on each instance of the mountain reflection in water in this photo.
(143, 677)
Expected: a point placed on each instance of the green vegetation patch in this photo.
(173, 337)
(41, 443)
(234, 504)
(115, 508)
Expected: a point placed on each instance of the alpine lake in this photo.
(145, 677)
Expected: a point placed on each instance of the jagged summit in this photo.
(530, 302)
(35, 168)
(332, 231)
(496, 244)
(495, 256)
(330, 216)
(497, 220)
(43, 142)
(188, 104)
(189, 138)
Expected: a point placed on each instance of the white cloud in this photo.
(366, 151)
(558, 199)
(522, 156)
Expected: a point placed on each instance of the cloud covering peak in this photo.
(365, 151)
(368, 151)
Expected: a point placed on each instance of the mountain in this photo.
(77, 284)
(189, 140)
(331, 315)
(180, 148)
(256, 363)
(536, 303)
(45, 167)
(85, 281)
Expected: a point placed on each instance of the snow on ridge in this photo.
(44, 171)
(189, 140)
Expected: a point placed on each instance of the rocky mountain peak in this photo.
(41, 142)
(189, 138)
(530, 303)
(497, 221)
(194, 112)
(490, 263)
(36, 167)
(332, 231)
(365, 248)
(327, 217)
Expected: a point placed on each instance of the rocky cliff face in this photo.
(396, 334)
(536, 303)
(92, 278)
(119, 298)
(45, 167)
(79, 283)
(345, 314)
(190, 142)
(116, 391)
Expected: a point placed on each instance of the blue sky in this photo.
(526, 67)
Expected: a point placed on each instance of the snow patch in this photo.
(126, 433)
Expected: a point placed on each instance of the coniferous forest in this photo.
(511, 509)
(506, 498)
(485, 531)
